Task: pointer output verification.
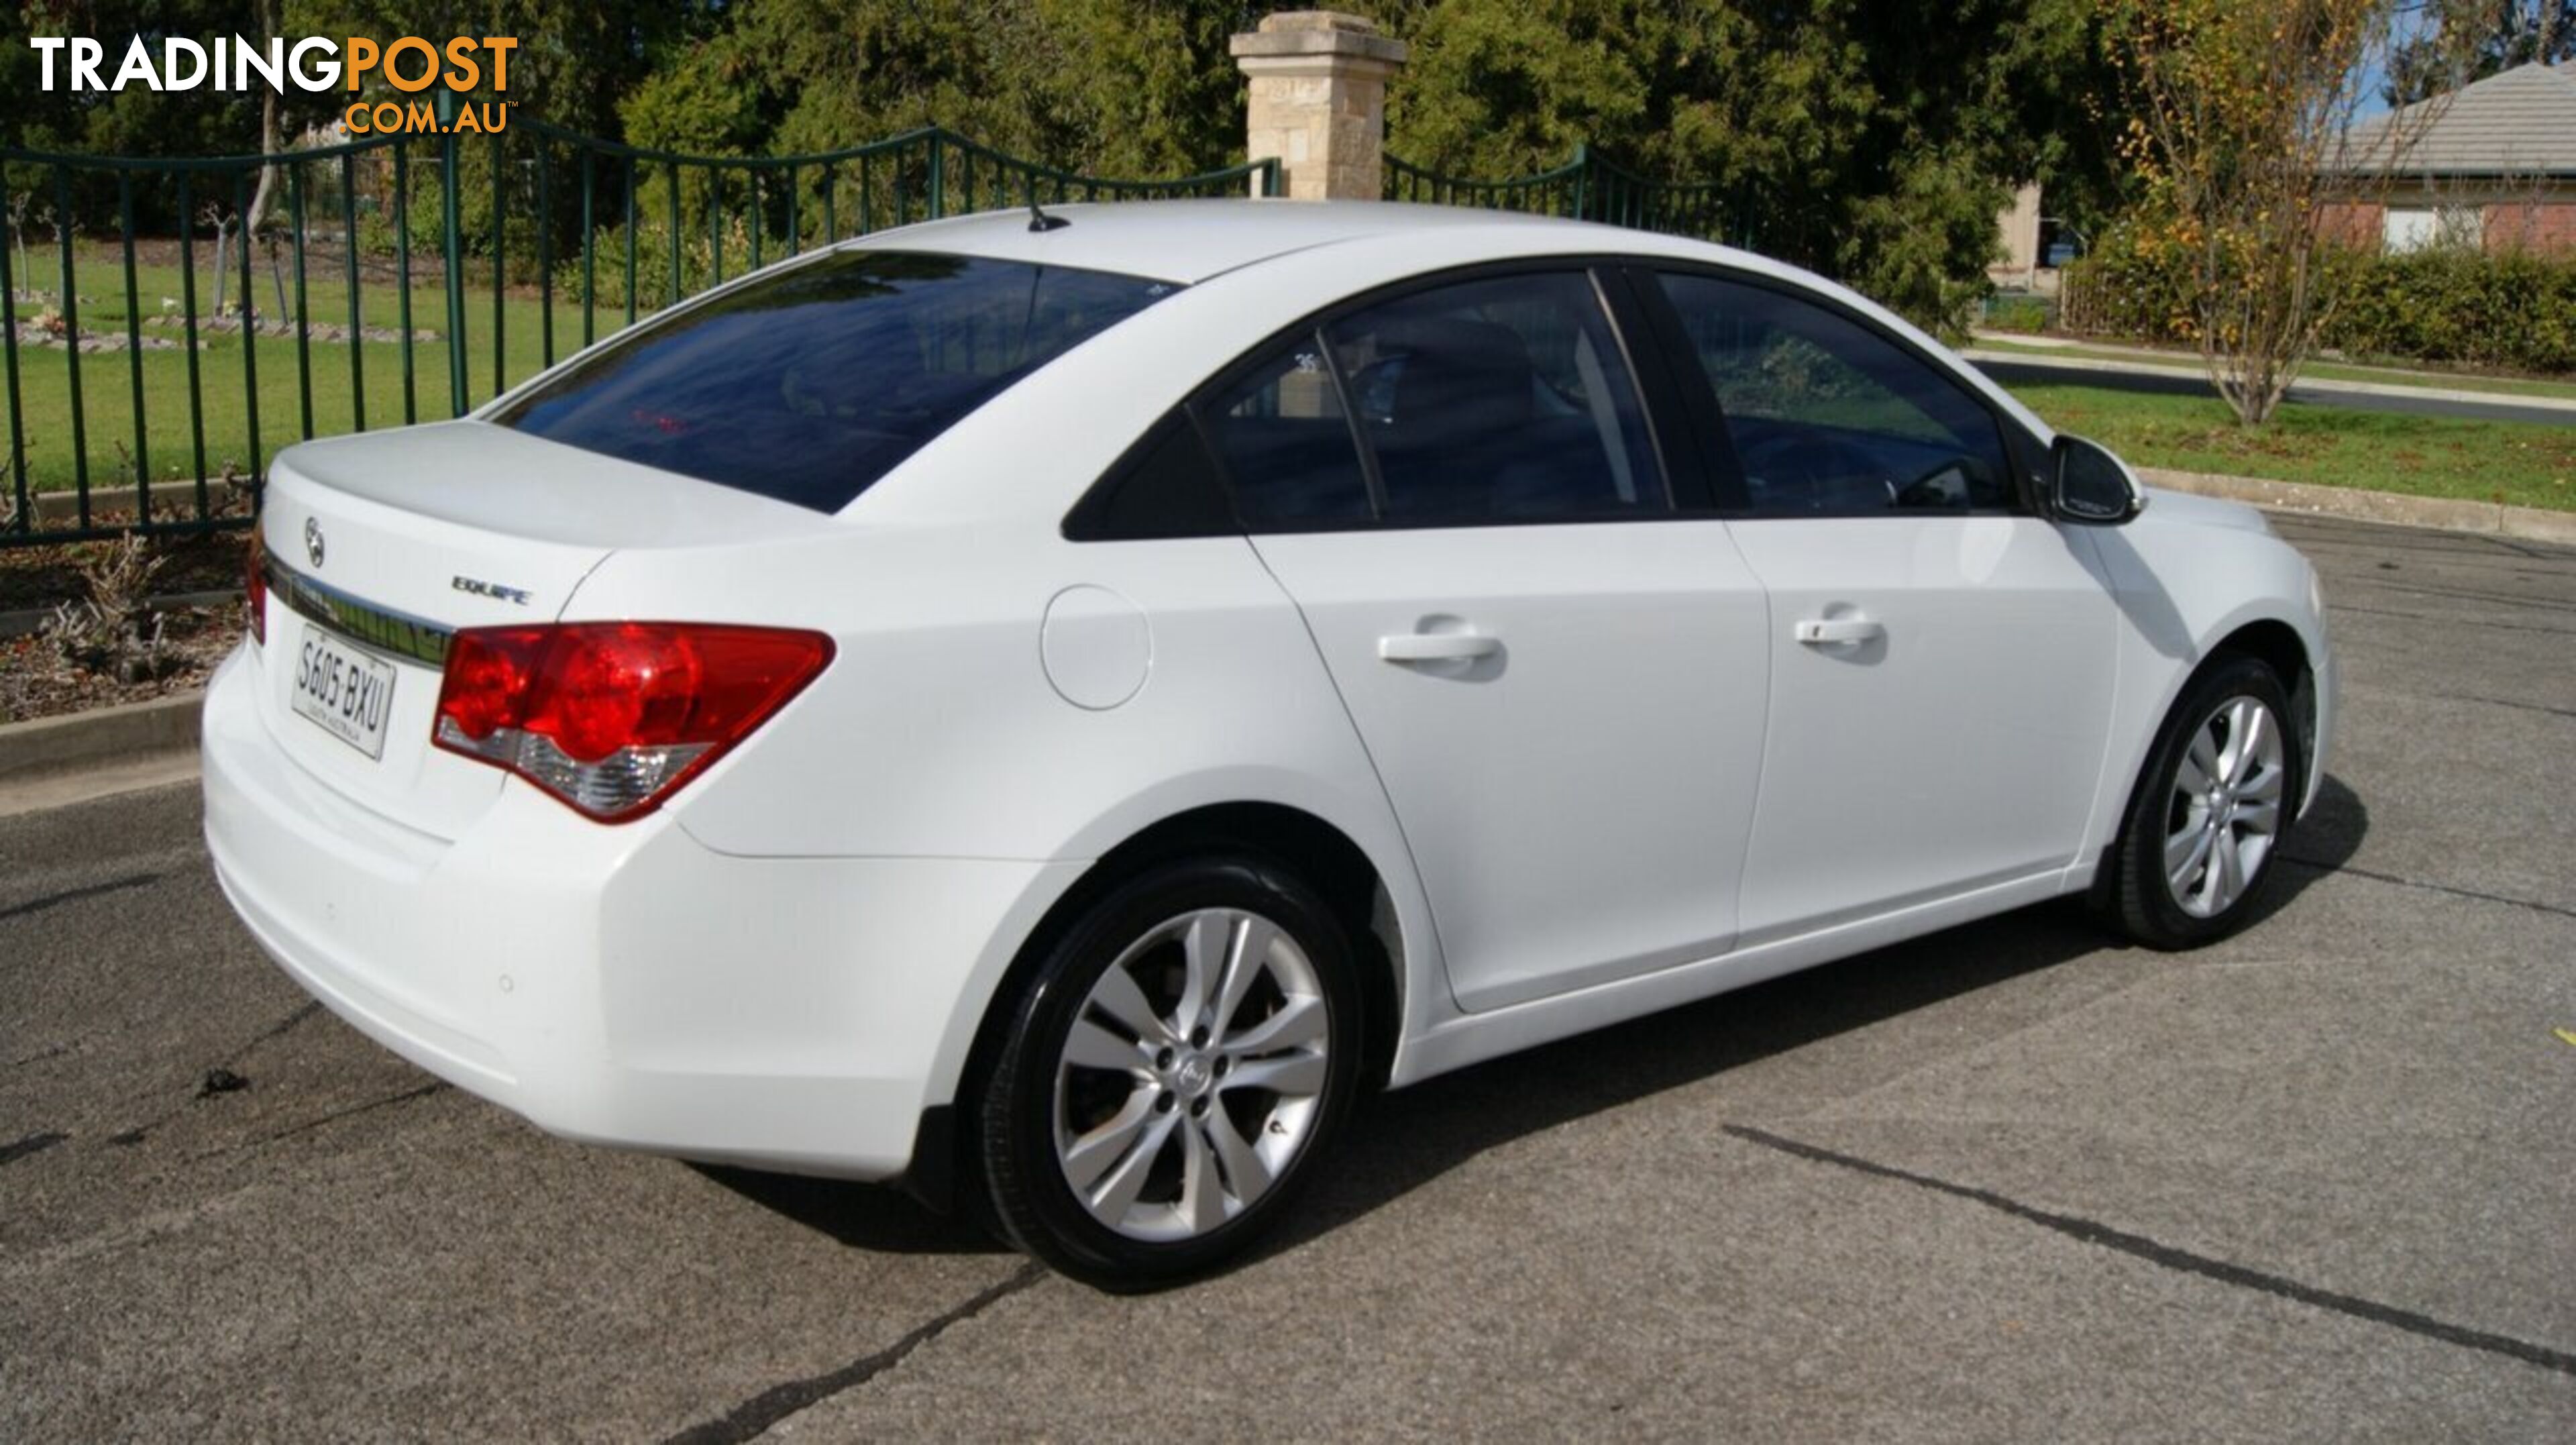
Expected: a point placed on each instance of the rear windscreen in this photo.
(810, 385)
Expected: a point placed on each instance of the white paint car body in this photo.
(788, 964)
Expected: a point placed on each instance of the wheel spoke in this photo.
(1203, 953)
(2229, 867)
(1244, 961)
(1091, 1155)
(1245, 1175)
(1117, 1193)
(2248, 726)
(2258, 817)
(1301, 1020)
(1093, 1047)
(2203, 759)
(2190, 779)
(1202, 1192)
(1295, 1075)
(1118, 996)
(2185, 852)
(2262, 787)
(2251, 850)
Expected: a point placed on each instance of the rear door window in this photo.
(810, 385)
(1499, 399)
(1287, 443)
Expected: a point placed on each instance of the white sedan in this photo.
(1046, 713)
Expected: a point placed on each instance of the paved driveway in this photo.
(2008, 1181)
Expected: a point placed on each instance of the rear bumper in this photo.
(625, 986)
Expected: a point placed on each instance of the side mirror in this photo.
(2088, 484)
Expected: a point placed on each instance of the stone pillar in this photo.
(1318, 101)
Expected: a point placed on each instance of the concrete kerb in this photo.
(2307, 388)
(53, 745)
(2448, 514)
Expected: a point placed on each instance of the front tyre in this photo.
(1172, 1069)
(2218, 794)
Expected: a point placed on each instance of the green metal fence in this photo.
(1591, 188)
(158, 348)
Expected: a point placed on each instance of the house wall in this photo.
(2530, 216)
(2017, 227)
(2358, 224)
(2547, 227)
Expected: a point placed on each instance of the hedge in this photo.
(2514, 311)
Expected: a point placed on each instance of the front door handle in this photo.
(1838, 631)
(1437, 646)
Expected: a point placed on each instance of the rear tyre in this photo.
(2216, 799)
(1171, 1071)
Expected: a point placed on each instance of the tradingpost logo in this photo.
(315, 64)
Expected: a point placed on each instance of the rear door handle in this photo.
(1437, 646)
(1838, 631)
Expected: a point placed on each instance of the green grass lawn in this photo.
(336, 388)
(2319, 370)
(2518, 463)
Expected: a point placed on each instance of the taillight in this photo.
(612, 717)
(255, 589)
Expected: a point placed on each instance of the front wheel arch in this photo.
(2127, 891)
(2270, 641)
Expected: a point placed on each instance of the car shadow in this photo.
(862, 1216)
(1404, 1140)
(1407, 1138)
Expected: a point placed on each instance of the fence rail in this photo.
(263, 299)
(1591, 188)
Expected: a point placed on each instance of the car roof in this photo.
(1190, 241)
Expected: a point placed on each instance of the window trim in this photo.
(2022, 451)
(1087, 519)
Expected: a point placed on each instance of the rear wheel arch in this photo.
(1319, 853)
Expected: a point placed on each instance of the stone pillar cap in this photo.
(1318, 32)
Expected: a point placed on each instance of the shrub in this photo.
(2514, 311)
(2027, 315)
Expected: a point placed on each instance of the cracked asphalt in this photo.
(2008, 1181)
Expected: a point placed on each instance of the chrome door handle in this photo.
(1437, 646)
(1838, 631)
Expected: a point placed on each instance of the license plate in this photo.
(343, 691)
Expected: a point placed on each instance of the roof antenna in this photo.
(1040, 221)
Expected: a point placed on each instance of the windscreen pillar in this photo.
(1318, 101)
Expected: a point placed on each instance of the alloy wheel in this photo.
(1192, 1076)
(2224, 813)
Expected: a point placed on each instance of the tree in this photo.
(1111, 87)
(2243, 132)
(1873, 142)
(2489, 37)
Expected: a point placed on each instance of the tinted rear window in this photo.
(810, 385)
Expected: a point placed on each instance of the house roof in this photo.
(2515, 123)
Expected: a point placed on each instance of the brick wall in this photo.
(2353, 223)
(2548, 227)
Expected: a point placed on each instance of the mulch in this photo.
(37, 681)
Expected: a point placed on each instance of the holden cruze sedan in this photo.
(1045, 712)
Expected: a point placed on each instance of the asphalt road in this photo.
(2043, 371)
(2007, 1182)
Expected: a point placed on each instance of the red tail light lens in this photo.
(613, 717)
(255, 588)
